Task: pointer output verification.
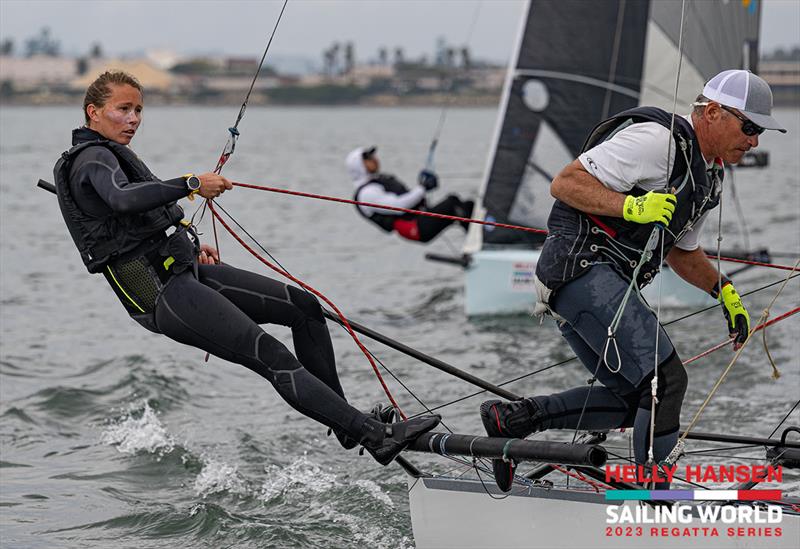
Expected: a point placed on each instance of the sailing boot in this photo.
(515, 419)
(385, 441)
(385, 413)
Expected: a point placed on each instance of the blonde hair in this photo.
(99, 91)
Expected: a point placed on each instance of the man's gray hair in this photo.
(700, 104)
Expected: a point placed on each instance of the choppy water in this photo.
(114, 436)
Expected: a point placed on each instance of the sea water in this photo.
(113, 436)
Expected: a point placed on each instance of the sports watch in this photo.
(193, 184)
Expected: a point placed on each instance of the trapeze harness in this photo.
(577, 240)
(216, 308)
(607, 251)
(405, 224)
(132, 250)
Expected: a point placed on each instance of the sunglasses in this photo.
(749, 128)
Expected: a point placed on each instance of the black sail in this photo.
(577, 62)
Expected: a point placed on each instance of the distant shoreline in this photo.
(63, 99)
(484, 101)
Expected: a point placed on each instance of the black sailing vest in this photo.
(391, 185)
(101, 240)
(577, 240)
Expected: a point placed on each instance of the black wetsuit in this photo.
(217, 308)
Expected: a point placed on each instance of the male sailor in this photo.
(379, 188)
(633, 182)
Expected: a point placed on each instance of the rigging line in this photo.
(749, 262)
(400, 382)
(728, 448)
(230, 145)
(561, 363)
(513, 380)
(456, 218)
(251, 237)
(260, 64)
(796, 404)
(757, 328)
(385, 207)
(530, 373)
(612, 69)
(739, 211)
(586, 400)
(429, 360)
(677, 82)
(722, 377)
(440, 125)
(775, 373)
(708, 453)
(649, 248)
(716, 305)
(305, 286)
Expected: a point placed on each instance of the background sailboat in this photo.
(575, 63)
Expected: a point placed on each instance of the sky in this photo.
(238, 27)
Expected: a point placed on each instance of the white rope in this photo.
(725, 372)
(670, 139)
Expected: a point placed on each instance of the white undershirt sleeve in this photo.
(376, 194)
(634, 156)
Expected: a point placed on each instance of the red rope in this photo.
(748, 262)
(578, 476)
(456, 218)
(757, 328)
(305, 286)
(393, 208)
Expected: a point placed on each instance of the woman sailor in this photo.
(127, 225)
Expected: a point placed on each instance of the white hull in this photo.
(459, 513)
(501, 282)
(675, 292)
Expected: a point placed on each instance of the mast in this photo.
(474, 239)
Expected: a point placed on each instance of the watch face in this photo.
(193, 182)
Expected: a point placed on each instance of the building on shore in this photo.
(38, 74)
(783, 77)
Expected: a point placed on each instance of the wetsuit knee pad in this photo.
(306, 302)
(672, 383)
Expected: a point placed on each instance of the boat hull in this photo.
(460, 513)
(501, 282)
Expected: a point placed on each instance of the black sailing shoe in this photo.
(515, 419)
(385, 413)
(396, 437)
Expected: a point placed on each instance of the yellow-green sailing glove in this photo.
(653, 207)
(735, 314)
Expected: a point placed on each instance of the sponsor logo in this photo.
(700, 513)
(522, 277)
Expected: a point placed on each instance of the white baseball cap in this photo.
(746, 92)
